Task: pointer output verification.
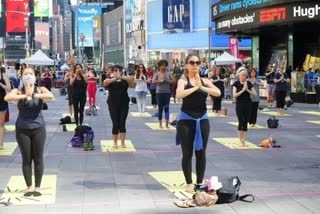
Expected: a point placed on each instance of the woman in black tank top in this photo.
(78, 82)
(30, 128)
(193, 120)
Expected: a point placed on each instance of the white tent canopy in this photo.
(38, 58)
(226, 59)
(64, 67)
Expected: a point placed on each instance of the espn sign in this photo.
(274, 14)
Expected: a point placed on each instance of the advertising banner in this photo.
(234, 46)
(286, 13)
(16, 11)
(176, 16)
(42, 35)
(86, 15)
(229, 7)
(41, 8)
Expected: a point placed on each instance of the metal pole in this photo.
(209, 35)
(77, 34)
(27, 37)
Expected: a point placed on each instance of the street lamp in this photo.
(26, 25)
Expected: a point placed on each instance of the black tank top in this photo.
(79, 88)
(118, 93)
(195, 104)
(30, 116)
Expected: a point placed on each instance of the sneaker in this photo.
(85, 147)
(90, 146)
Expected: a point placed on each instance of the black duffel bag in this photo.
(273, 123)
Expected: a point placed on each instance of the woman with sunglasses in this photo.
(141, 88)
(242, 90)
(163, 79)
(30, 128)
(193, 124)
(118, 103)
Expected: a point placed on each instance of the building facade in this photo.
(184, 27)
(283, 32)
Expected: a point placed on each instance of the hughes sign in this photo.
(259, 18)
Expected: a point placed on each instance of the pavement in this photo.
(284, 180)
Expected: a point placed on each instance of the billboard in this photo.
(230, 7)
(41, 8)
(86, 15)
(42, 35)
(16, 11)
(176, 16)
(286, 13)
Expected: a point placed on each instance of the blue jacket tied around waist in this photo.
(197, 142)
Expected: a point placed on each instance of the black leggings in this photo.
(79, 101)
(216, 103)
(253, 113)
(243, 111)
(186, 131)
(281, 98)
(31, 143)
(118, 114)
(153, 97)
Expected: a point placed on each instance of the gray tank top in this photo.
(163, 87)
(30, 116)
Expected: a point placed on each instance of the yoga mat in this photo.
(107, 146)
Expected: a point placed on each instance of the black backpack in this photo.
(229, 192)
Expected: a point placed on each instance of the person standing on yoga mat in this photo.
(242, 90)
(30, 128)
(163, 79)
(193, 124)
(118, 103)
(78, 81)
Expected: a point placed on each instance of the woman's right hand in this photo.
(198, 81)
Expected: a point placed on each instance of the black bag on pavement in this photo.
(229, 192)
(134, 100)
(273, 123)
(65, 120)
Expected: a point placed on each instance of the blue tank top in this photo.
(30, 115)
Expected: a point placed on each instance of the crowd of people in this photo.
(190, 85)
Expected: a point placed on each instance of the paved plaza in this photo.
(284, 180)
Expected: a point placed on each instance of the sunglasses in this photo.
(194, 62)
(140, 67)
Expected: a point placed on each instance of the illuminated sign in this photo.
(86, 15)
(271, 15)
(176, 16)
(41, 8)
(309, 12)
(16, 11)
(287, 13)
(231, 7)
